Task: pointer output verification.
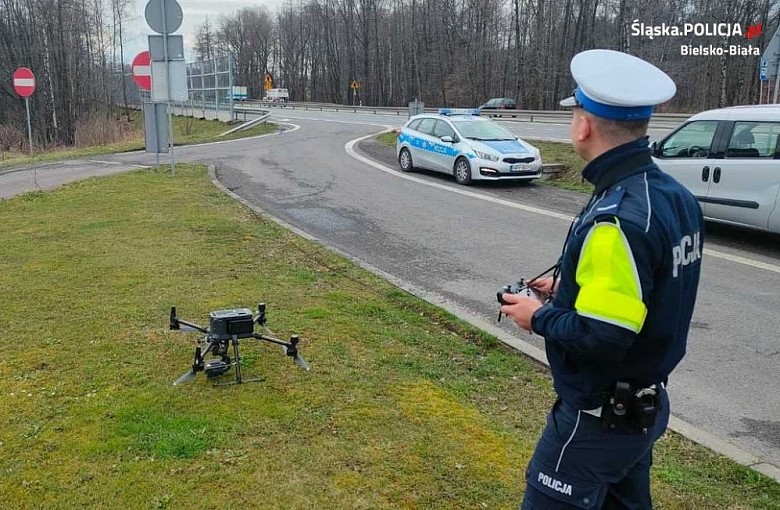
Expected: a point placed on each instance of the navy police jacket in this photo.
(628, 278)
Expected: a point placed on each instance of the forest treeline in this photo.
(461, 52)
(443, 52)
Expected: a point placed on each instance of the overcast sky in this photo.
(195, 12)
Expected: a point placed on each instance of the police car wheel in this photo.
(405, 160)
(462, 171)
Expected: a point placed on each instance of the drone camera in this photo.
(215, 367)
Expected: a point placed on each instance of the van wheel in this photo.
(405, 160)
(462, 171)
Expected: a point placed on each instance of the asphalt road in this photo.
(51, 175)
(459, 245)
(538, 130)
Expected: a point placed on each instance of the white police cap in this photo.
(618, 86)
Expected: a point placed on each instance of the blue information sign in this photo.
(762, 71)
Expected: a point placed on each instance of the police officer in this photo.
(622, 298)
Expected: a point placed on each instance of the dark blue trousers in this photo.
(578, 465)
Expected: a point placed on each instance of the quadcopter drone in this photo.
(228, 327)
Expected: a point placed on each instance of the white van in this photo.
(730, 159)
(277, 96)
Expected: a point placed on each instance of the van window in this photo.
(690, 141)
(753, 140)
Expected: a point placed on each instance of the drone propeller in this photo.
(292, 351)
(187, 377)
(301, 362)
(196, 365)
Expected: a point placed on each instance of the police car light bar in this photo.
(459, 111)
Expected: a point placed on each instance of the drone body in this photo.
(228, 327)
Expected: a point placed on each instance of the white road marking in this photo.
(742, 260)
(349, 147)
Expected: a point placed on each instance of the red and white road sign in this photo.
(24, 82)
(142, 70)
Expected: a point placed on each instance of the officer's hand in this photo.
(520, 309)
(544, 285)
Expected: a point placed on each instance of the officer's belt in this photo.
(597, 411)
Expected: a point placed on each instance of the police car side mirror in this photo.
(447, 139)
(655, 149)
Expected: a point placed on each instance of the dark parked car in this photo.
(500, 103)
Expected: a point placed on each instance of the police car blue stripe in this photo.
(423, 144)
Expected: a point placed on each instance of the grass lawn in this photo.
(405, 406)
(563, 153)
(186, 131)
(387, 138)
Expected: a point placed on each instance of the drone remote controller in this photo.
(519, 287)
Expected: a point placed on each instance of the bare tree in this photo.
(205, 41)
(444, 52)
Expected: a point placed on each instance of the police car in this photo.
(470, 147)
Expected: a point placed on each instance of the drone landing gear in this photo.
(223, 365)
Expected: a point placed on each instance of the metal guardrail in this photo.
(248, 124)
(551, 116)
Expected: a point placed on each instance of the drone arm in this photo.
(187, 324)
(290, 348)
(271, 339)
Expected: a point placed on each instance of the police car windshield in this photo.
(483, 131)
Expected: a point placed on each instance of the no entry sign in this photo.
(24, 82)
(142, 70)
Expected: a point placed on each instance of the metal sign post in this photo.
(24, 85)
(230, 86)
(762, 77)
(168, 80)
(29, 126)
(165, 17)
(355, 85)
